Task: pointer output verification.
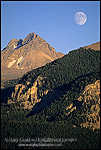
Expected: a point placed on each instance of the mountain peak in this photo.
(24, 55)
(29, 37)
(11, 42)
(14, 43)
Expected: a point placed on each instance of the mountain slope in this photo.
(55, 102)
(38, 84)
(20, 56)
(95, 46)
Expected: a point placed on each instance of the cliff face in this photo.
(14, 43)
(22, 56)
(28, 95)
(91, 102)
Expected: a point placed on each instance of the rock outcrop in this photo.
(28, 94)
(14, 43)
(91, 103)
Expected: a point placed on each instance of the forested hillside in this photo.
(53, 102)
(37, 84)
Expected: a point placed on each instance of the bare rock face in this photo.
(24, 55)
(90, 99)
(29, 38)
(91, 102)
(14, 43)
(28, 96)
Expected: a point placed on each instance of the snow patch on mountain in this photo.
(20, 60)
(11, 63)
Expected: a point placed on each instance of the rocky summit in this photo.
(21, 56)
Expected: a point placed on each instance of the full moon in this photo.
(80, 18)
